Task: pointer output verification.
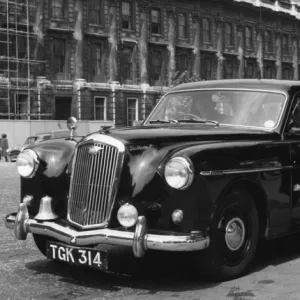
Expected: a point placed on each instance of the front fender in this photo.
(52, 177)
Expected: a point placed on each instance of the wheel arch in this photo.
(259, 198)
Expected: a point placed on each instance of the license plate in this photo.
(92, 258)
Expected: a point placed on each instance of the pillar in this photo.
(241, 50)
(197, 44)
(295, 47)
(78, 36)
(278, 48)
(259, 52)
(220, 45)
(113, 40)
(38, 29)
(143, 41)
(171, 41)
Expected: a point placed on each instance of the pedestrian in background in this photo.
(4, 146)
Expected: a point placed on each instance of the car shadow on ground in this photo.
(160, 271)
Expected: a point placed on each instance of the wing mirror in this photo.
(72, 124)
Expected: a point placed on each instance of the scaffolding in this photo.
(17, 59)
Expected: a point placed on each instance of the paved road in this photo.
(26, 274)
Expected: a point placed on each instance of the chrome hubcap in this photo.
(235, 234)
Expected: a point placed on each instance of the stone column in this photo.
(38, 29)
(172, 41)
(143, 41)
(220, 47)
(197, 44)
(259, 52)
(113, 40)
(295, 47)
(78, 36)
(241, 50)
(278, 48)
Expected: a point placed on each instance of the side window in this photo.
(294, 123)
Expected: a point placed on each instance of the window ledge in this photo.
(128, 30)
(157, 34)
(96, 25)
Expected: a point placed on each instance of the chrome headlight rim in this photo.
(188, 166)
(35, 159)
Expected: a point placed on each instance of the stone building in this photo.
(109, 61)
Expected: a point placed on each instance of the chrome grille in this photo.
(94, 183)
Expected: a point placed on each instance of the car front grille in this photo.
(94, 182)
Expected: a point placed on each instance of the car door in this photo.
(292, 136)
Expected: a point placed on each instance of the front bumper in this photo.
(140, 240)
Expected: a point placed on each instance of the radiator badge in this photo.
(95, 149)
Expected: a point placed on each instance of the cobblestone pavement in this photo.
(27, 274)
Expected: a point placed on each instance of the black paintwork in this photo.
(233, 151)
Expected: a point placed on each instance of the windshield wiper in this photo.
(164, 121)
(203, 121)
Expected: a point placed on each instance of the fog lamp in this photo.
(127, 215)
(177, 216)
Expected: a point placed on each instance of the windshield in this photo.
(30, 140)
(237, 108)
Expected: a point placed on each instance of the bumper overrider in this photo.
(140, 240)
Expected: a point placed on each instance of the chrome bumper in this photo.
(139, 240)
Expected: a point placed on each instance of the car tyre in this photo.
(234, 234)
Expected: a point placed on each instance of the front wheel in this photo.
(234, 236)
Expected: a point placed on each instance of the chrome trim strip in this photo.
(226, 172)
(109, 141)
(139, 240)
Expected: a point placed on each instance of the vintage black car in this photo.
(213, 170)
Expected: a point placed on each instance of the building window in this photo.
(23, 9)
(248, 37)
(127, 14)
(58, 9)
(268, 45)
(229, 73)
(207, 68)
(155, 65)
(96, 55)
(95, 12)
(22, 106)
(100, 108)
(206, 24)
(156, 21)
(182, 62)
(127, 63)
(182, 26)
(59, 52)
(285, 44)
(250, 70)
(228, 34)
(132, 111)
(269, 71)
(287, 72)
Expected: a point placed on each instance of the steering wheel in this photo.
(194, 117)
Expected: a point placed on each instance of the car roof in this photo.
(262, 84)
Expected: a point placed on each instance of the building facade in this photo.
(109, 61)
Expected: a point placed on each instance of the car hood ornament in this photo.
(95, 149)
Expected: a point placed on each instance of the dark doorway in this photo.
(63, 108)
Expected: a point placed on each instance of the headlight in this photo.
(179, 173)
(27, 163)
